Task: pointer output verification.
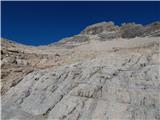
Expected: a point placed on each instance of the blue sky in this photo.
(41, 23)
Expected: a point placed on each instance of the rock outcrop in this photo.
(99, 28)
(91, 76)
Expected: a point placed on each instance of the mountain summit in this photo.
(107, 72)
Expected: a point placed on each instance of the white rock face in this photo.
(96, 75)
(109, 80)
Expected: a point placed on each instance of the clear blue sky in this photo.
(40, 23)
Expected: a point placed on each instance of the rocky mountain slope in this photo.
(107, 72)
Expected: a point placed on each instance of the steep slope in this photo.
(84, 77)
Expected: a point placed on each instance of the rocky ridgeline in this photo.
(126, 30)
(106, 72)
(105, 31)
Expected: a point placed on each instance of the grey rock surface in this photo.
(82, 78)
(119, 85)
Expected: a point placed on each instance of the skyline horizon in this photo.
(77, 33)
(43, 23)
